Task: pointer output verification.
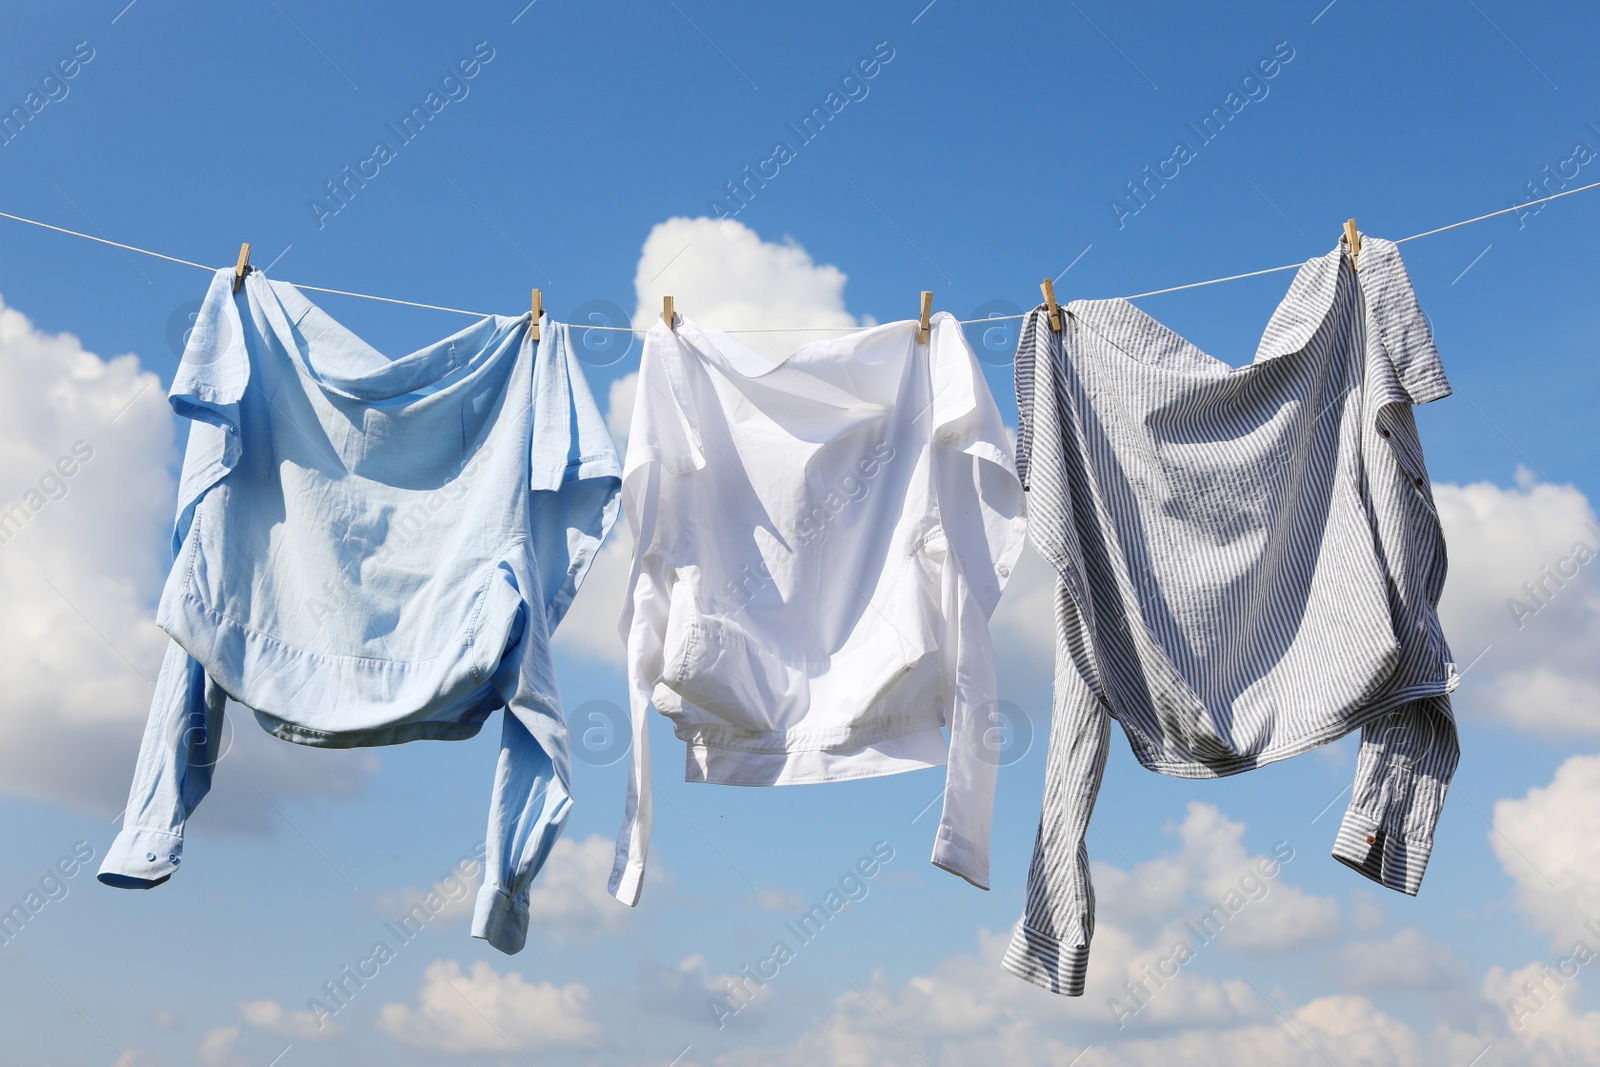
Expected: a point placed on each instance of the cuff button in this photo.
(150, 856)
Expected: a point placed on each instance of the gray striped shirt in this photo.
(1250, 563)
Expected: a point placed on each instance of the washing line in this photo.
(797, 329)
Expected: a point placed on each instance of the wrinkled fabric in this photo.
(818, 546)
(1249, 566)
(372, 551)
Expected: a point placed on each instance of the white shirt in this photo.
(818, 545)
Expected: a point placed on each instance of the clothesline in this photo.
(797, 329)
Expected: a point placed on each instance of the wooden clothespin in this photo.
(1048, 288)
(538, 310)
(667, 312)
(922, 322)
(243, 268)
(1352, 240)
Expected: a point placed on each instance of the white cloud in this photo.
(569, 898)
(967, 1011)
(219, 1045)
(589, 630)
(722, 275)
(1523, 594)
(82, 562)
(453, 896)
(1211, 869)
(1542, 1009)
(1546, 842)
(1024, 623)
(619, 409)
(1285, 918)
(489, 1012)
(272, 1017)
(689, 990)
(1408, 960)
(1339, 1030)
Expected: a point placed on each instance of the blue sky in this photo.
(989, 148)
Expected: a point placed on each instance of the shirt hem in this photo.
(1177, 768)
(913, 750)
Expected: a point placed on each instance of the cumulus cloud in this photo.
(724, 276)
(1544, 1011)
(274, 1018)
(568, 902)
(1024, 623)
(1408, 960)
(87, 447)
(1145, 908)
(1340, 1030)
(619, 409)
(451, 897)
(589, 630)
(1522, 600)
(689, 990)
(1545, 840)
(81, 563)
(491, 1013)
(967, 1011)
(219, 1045)
(569, 899)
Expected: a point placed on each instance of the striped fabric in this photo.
(1250, 563)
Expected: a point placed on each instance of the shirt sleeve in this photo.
(208, 389)
(574, 479)
(663, 441)
(1050, 946)
(183, 733)
(528, 808)
(183, 739)
(644, 626)
(1402, 773)
(981, 514)
(574, 473)
(1408, 756)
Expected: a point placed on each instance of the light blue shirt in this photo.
(371, 551)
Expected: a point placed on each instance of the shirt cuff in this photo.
(956, 854)
(627, 878)
(1047, 962)
(141, 859)
(500, 920)
(1392, 861)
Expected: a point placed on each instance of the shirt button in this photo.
(1371, 840)
(150, 856)
(1419, 483)
(1384, 432)
(1003, 571)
